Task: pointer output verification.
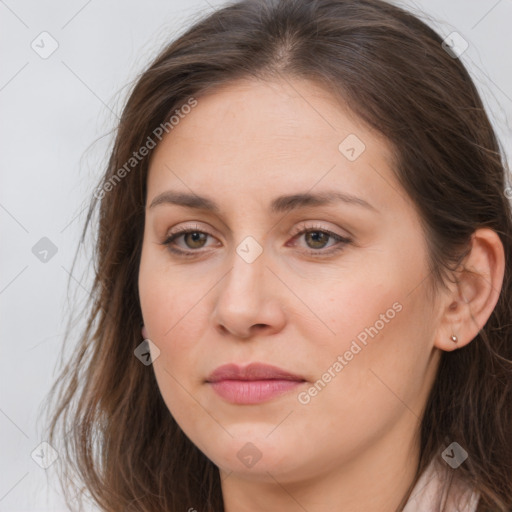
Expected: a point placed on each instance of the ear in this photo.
(471, 300)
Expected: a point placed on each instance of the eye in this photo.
(194, 238)
(316, 237)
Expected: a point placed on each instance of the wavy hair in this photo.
(118, 442)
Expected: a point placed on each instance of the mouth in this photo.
(252, 384)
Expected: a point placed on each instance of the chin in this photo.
(255, 457)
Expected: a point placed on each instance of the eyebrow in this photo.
(280, 204)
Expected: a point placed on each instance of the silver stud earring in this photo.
(454, 338)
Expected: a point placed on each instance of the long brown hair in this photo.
(117, 440)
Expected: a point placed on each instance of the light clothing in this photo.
(429, 494)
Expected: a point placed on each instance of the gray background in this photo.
(57, 114)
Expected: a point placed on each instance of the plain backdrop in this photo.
(58, 112)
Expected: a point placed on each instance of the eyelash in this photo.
(342, 241)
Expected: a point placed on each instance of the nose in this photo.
(249, 300)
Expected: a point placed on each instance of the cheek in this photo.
(360, 304)
(168, 312)
(165, 316)
(167, 295)
(172, 305)
(365, 392)
(381, 332)
(172, 320)
(380, 361)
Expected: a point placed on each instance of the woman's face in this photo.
(332, 292)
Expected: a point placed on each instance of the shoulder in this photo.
(439, 489)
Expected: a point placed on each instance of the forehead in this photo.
(275, 112)
(251, 135)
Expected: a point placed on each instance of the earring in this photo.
(454, 338)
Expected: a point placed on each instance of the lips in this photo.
(252, 384)
(254, 371)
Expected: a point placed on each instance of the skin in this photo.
(353, 446)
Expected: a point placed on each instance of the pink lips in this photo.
(251, 384)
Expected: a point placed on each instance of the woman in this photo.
(303, 276)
